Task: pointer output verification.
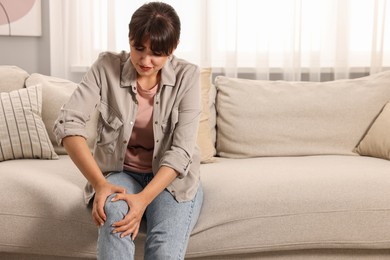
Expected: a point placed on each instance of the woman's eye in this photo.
(138, 48)
(157, 53)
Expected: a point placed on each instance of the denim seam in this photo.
(190, 215)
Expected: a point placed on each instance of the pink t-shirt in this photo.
(139, 153)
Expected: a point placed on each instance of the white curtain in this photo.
(294, 39)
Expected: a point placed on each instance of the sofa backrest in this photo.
(250, 118)
(12, 78)
(57, 91)
(280, 118)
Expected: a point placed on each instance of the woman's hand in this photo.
(103, 190)
(78, 150)
(131, 222)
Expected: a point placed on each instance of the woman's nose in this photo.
(146, 57)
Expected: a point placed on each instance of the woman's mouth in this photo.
(145, 68)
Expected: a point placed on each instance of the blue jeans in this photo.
(169, 223)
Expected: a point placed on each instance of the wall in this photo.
(30, 53)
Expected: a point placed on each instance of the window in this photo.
(253, 35)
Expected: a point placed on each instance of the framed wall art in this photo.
(20, 17)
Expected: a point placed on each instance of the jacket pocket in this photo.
(109, 128)
(169, 124)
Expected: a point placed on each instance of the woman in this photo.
(145, 162)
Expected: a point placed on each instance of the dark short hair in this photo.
(157, 22)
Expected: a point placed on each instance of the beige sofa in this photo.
(290, 171)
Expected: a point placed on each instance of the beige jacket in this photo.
(110, 87)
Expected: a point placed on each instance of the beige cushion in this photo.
(280, 118)
(282, 204)
(288, 203)
(376, 142)
(11, 78)
(44, 212)
(204, 141)
(22, 133)
(56, 92)
(213, 115)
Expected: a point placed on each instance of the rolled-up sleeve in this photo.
(74, 115)
(69, 123)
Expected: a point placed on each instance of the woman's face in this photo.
(146, 62)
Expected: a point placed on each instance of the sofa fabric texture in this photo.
(280, 118)
(376, 142)
(317, 190)
(291, 203)
(12, 78)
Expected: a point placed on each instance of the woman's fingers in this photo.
(98, 213)
(128, 225)
(130, 228)
(135, 233)
(118, 189)
(100, 210)
(102, 192)
(95, 220)
(118, 196)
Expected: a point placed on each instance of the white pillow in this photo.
(22, 133)
(280, 118)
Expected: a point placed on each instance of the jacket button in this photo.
(61, 122)
(124, 142)
(157, 141)
(155, 122)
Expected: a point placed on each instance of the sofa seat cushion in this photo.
(276, 203)
(42, 209)
(250, 205)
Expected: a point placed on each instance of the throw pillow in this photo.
(282, 118)
(22, 133)
(376, 142)
(204, 141)
(213, 115)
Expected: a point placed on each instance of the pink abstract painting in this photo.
(20, 17)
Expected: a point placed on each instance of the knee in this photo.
(115, 211)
